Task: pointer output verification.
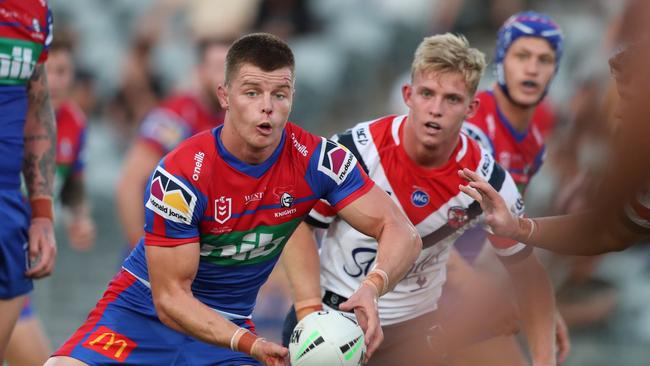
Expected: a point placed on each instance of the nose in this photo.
(267, 104)
(436, 107)
(532, 66)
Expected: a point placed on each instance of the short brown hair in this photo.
(450, 53)
(262, 50)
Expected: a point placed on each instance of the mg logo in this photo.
(110, 344)
(419, 198)
(18, 65)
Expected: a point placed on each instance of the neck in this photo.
(428, 157)
(239, 148)
(519, 116)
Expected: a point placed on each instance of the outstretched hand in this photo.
(270, 354)
(364, 303)
(497, 215)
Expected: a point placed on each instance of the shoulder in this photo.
(71, 113)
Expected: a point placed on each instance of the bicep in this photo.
(172, 268)
(370, 212)
(139, 164)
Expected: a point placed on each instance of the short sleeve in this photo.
(163, 129)
(49, 20)
(173, 206)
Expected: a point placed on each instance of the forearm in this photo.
(301, 264)
(130, 211)
(398, 247)
(536, 301)
(73, 195)
(40, 138)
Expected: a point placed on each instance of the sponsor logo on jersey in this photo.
(110, 344)
(198, 163)
(302, 149)
(419, 198)
(363, 259)
(457, 217)
(257, 196)
(518, 207)
(362, 138)
(171, 198)
(478, 135)
(487, 162)
(222, 209)
(284, 213)
(336, 161)
(17, 62)
(164, 127)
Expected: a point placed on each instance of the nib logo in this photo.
(222, 209)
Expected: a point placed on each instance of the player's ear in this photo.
(407, 94)
(473, 107)
(222, 95)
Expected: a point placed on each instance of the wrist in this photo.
(41, 207)
(526, 229)
(243, 340)
(377, 280)
(306, 307)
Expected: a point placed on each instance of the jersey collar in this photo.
(255, 171)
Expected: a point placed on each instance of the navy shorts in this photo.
(123, 329)
(14, 253)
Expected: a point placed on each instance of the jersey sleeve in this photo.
(163, 129)
(507, 249)
(49, 20)
(476, 130)
(336, 176)
(173, 205)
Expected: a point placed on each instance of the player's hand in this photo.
(562, 338)
(81, 232)
(270, 354)
(497, 215)
(364, 303)
(42, 248)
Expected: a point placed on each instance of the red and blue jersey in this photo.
(520, 153)
(25, 35)
(71, 142)
(176, 119)
(241, 215)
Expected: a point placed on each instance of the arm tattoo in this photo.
(40, 137)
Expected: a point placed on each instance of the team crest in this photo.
(336, 161)
(222, 209)
(457, 217)
(171, 198)
(286, 200)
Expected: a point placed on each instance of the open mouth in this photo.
(433, 126)
(265, 128)
(530, 86)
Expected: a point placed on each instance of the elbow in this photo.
(162, 303)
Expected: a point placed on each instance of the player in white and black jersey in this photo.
(415, 158)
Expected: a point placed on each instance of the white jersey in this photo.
(431, 200)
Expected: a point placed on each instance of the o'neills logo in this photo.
(110, 344)
(198, 163)
(300, 147)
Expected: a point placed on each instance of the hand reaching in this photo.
(364, 303)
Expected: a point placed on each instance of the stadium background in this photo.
(352, 56)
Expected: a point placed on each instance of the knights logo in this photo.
(286, 200)
(222, 209)
(457, 217)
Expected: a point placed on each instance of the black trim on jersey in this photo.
(346, 140)
(473, 211)
(315, 223)
(517, 257)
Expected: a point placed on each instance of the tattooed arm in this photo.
(38, 170)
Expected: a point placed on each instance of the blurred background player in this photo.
(28, 344)
(175, 119)
(27, 142)
(512, 123)
(415, 159)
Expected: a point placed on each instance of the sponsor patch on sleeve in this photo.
(336, 161)
(478, 135)
(165, 128)
(170, 198)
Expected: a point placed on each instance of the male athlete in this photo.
(177, 118)
(27, 143)
(415, 159)
(28, 344)
(513, 123)
(218, 211)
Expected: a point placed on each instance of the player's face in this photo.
(59, 74)
(438, 104)
(258, 103)
(529, 67)
(212, 69)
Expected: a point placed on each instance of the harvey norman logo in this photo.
(171, 198)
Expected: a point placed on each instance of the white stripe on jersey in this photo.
(643, 200)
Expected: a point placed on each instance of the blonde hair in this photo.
(449, 53)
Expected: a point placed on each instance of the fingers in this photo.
(45, 263)
(474, 194)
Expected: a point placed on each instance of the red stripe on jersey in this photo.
(324, 209)
(120, 282)
(163, 241)
(641, 210)
(354, 196)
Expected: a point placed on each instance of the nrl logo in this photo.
(222, 209)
